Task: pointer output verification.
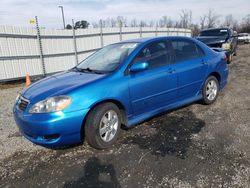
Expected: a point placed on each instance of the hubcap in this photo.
(108, 125)
(211, 90)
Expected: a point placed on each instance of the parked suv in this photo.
(223, 38)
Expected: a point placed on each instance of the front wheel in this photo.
(102, 126)
(210, 90)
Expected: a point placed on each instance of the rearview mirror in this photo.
(137, 67)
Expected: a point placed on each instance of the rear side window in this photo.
(186, 50)
(156, 54)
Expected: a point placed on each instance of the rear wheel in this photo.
(102, 126)
(235, 53)
(210, 90)
(230, 58)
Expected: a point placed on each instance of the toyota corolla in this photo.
(121, 84)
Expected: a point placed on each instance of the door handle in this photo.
(204, 63)
(171, 71)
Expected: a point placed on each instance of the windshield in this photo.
(242, 34)
(215, 32)
(108, 58)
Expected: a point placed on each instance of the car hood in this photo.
(211, 39)
(58, 84)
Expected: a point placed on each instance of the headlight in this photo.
(52, 104)
(17, 97)
(226, 46)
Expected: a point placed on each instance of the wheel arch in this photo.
(124, 120)
(216, 75)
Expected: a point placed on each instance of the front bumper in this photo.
(51, 129)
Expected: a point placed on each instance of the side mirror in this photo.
(235, 34)
(137, 67)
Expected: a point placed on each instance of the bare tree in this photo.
(195, 30)
(107, 22)
(235, 25)
(185, 18)
(134, 23)
(212, 19)
(121, 20)
(152, 23)
(113, 22)
(229, 21)
(165, 21)
(203, 21)
(245, 25)
(95, 25)
(143, 23)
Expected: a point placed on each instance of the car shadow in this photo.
(96, 174)
(172, 134)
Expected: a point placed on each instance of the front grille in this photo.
(23, 103)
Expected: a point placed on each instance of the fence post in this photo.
(101, 33)
(156, 30)
(120, 24)
(177, 31)
(141, 30)
(39, 43)
(74, 40)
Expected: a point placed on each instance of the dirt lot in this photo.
(195, 146)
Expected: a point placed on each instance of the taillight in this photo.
(225, 58)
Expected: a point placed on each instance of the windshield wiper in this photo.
(76, 69)
(89, 70)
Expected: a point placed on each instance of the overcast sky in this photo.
(18, 12)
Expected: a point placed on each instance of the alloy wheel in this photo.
(211, 90)
(108, 126)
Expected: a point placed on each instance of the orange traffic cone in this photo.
(28, 81)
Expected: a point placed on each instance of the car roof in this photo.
(219, 28)
(151, 39)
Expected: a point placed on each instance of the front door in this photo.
(156, 86)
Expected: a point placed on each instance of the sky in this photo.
(19, 12)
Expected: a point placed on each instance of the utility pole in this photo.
(61, 7)
(74, 40)
(39, 42)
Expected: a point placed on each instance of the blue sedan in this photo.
(122, 84)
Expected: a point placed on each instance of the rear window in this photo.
(214, 32)
(185, 50)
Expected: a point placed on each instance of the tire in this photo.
(103, 126)
(230, 58)
(213, 84)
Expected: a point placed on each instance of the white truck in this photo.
(244, 37)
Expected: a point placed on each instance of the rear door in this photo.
(191, 66)
(156, 86)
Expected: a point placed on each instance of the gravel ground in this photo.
(194, 146)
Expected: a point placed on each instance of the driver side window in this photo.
(156, 54)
